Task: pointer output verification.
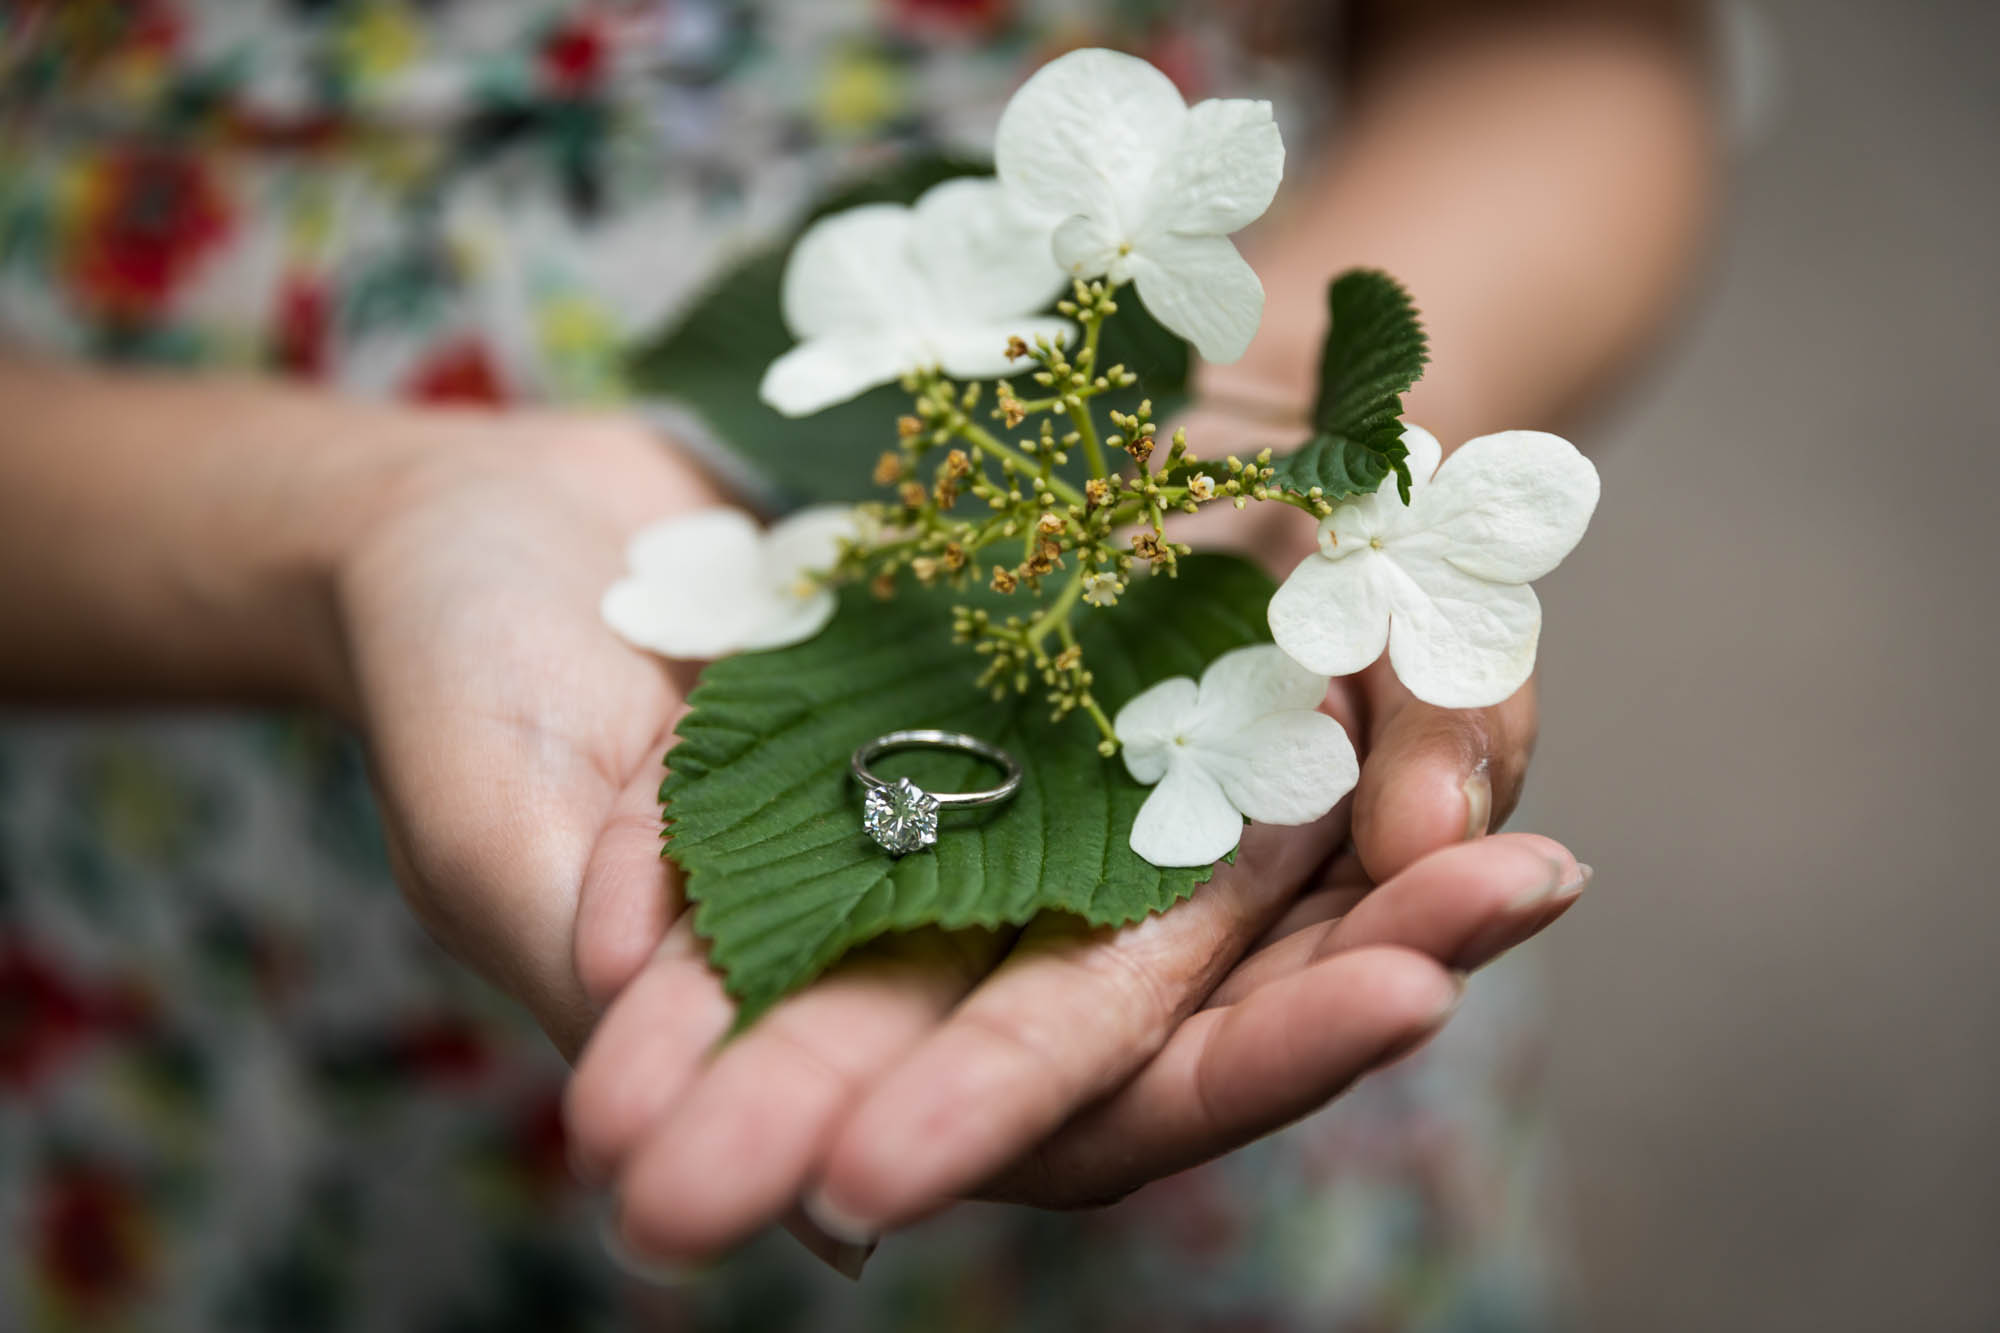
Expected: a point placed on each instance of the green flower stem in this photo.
(1089, 702)
(1078, 403)
(1096, 711)
(1086, 429)
(1056, 617)
(1036, 406)
(1292, 498)
(981, 438)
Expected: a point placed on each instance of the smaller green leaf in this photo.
(1375, 350)
(1339, 466)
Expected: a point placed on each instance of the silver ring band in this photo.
(925, 738)
(901, 816)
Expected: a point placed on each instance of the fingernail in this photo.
(843, 1227)
(660, 1272)
(1574, 884)
(1566, 881)
(1478, 802)
(1450, 1006)
(847, 1260)
(1526, 914)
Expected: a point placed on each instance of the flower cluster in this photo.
(1033, 487)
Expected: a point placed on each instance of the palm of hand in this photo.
(510, 733)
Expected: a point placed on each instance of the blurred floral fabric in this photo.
(239, 1089)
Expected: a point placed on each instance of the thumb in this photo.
(1435, 776)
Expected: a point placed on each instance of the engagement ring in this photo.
(903, 817)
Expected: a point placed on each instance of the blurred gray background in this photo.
(1770, 677)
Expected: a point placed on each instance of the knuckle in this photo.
(1136, 988)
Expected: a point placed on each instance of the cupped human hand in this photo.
(1067, 1065)
(517, 747)
(515, 742)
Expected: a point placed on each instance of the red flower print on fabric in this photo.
(458, 372)
(145, 217)
(574, 55)
(93, 1241)
(45, 1017)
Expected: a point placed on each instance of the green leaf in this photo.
(712, 360)
(766, 822)
(1375, 350)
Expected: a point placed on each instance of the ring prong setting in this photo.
(901, 816)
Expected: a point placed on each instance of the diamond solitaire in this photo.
(902, 818)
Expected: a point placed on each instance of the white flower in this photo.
(1442, 582)
(1100, 588)
(711, 582)
(877, 291)
(1249, 740)
(1146, 187)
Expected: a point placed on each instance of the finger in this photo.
(502, 903)
(1233, 1074)
(644, 1053)
(1435, 776)
(657, 476)
(1341, 884)
(1463, 905)
(1066, 1017)
(737, 1149)
(631, 893)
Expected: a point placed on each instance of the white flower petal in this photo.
(1332, 616)
(820, 372)
(851, 270)
(807, 541)
(1086, 132)
(980, 252)
(1425, 455)
(1458, 641)
(789, 618)
(1150, 722)
(1187, 820)
(979, 351)
(692, 618)
(709, 582)
(1224, 172)
(1511, 505)
(796, 548)
(1246, 684)
(1085, 247)
(713, 541)
(1289, 767)
(1199, 287)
